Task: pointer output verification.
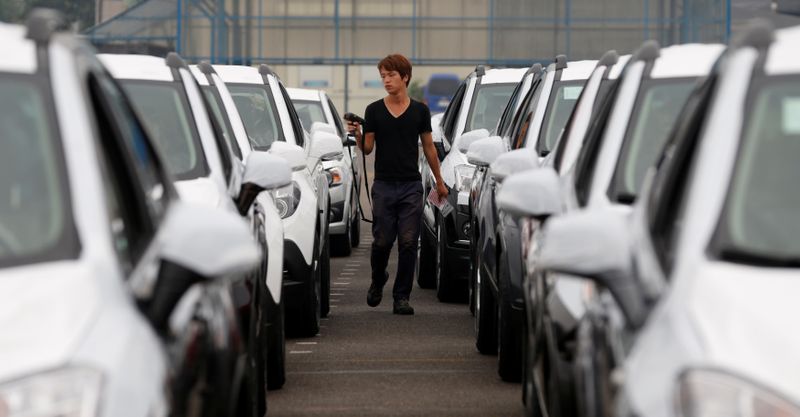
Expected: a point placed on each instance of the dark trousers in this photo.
(396, 213)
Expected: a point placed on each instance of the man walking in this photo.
(392, 126)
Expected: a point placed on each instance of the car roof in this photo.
(239, 74)
(782, 55)
(19, 51)
(503, 75)
(137, 67)
(304, 94)
(578, 70)
(687, 60)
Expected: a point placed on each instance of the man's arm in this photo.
(365, 142)
(433, 161)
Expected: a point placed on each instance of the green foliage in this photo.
(78, 13)
(415, 90)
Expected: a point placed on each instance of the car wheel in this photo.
(256, 366)
(445, 288)
(307, 322)
(355, 227)
(560, 387)
(342, 244)
(593, 368)
(426, 260)
(276, 345)
(485, 316)
(509, 343)
(325, 280)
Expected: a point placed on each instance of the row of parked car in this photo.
(163, 227)
(624, 228)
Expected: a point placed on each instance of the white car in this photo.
(101, 265)
(312, 107)
(272, 125)
(444, 255)
(268, 332)
(704, 270)
(206, 164)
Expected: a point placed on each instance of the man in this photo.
(392, 126)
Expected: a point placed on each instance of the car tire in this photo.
(276, 345)
(325, 280)
(509, 342)
(256, 359)
(355, 229)
(342, 244)
(445, 288)
(426, 260)
(307, 322)
(485, 317)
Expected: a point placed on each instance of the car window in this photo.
(451, 114)
(666, 195)
(561, 103)
(297, 127)
(509, 111)
(759, 224)
(657, 106)
(309, 112)
(136, 189)
(218, 110)
(336, 118)
(524, 115)
(487, 105)
(168, 119)
(35, 211)
(259, 115)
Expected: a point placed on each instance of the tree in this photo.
(78, 13)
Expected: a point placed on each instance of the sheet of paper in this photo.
(441, 203)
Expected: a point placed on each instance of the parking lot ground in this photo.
(368, 362)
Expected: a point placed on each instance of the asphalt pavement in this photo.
(368, 362)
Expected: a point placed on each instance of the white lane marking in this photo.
(338, 293)
(306, 343)
(341, 283)
(299, 352)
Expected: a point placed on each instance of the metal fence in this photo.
(441, 32)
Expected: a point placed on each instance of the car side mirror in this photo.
(262, 172)
(325, 146)
(467, 139)
(295, 155)
(512, 162)
(322, 127)
(533, 193)
(196, 243)
(483, 152)
(597, 245)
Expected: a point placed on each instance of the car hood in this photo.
(45, 311)
(201, 191)
(734, 318)
(745, 317)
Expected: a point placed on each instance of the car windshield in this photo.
(309, 112)
(35, 215)
(760, 218)
(259, 115)
(562, 101)
(489, 103)
(167, 118)
(217, 109)
(443, 86)
(657, 107)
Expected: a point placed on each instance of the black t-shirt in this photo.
(396, 139)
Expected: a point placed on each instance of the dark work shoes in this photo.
(374, 295)
(402, 307)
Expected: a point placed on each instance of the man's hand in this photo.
(354, 128)
(441, 188)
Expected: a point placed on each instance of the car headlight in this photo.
(335, 176)
(709, 393)
(69, 392)
(286, 199)
(464, 174)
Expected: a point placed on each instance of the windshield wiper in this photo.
(739, 255)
